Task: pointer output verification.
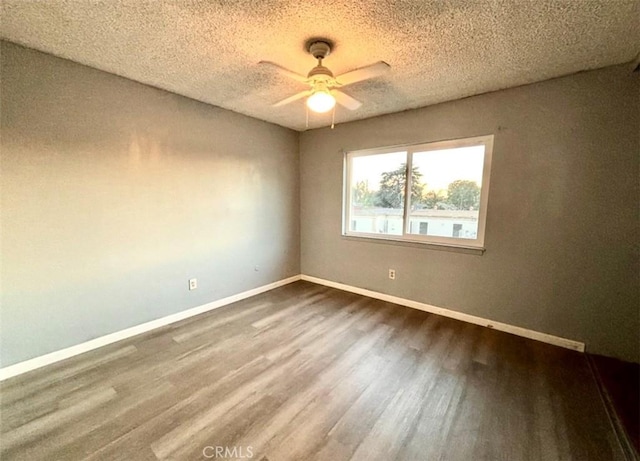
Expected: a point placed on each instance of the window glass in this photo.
(447, 187)
(448, 184)
(377, 193)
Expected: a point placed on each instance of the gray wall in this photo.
(114, 194)
(562, 224)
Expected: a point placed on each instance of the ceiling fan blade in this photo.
(345, 100)
(363, 73)
(295, 97)
(285, 71)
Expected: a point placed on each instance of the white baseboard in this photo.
(53, 357)
(519, 331)
(47, 359)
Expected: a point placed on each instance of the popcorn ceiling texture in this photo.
(438, 50)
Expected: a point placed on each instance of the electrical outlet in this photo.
(392, 274)
(193, 284)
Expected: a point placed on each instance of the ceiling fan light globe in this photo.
(321, 101)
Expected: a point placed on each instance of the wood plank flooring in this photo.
(306, 372)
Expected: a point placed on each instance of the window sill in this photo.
(478, 251)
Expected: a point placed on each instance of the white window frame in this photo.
(477, 243)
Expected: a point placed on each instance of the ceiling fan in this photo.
(324, 89)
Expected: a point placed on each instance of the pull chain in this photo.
(333, 117)
(307, 112)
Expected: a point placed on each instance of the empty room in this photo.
(321, 230)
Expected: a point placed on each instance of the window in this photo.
(442, 201)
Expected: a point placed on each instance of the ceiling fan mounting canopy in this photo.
(319, 49)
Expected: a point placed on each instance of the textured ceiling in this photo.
(438, 50)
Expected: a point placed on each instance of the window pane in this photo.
(445, 192)
(377, 193)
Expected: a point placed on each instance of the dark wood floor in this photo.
(620, 385)
(306, 372)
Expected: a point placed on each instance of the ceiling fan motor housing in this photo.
(320, 73)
